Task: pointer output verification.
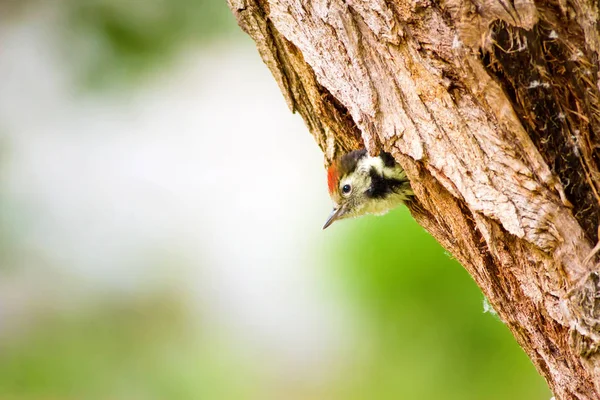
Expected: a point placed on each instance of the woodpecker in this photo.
(360, 184)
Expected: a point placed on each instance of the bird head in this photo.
(360, 184)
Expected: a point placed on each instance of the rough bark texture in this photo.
(492, 108)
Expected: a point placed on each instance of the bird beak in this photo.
(335, 215)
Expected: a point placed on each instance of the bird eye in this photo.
(346, 189)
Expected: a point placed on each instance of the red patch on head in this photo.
(332, 178)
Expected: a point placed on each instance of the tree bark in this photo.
(491, 106)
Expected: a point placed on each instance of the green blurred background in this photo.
(160, 214)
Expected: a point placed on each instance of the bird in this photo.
(360, 184)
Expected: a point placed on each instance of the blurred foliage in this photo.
(428, 336)
(120, 41)
(141, 349)
(7, 236)
(421, 334)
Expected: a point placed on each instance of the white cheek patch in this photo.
(364, 166)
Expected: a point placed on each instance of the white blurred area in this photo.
(201, 181)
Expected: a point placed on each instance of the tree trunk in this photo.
(492, 108)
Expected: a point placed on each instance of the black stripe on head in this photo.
(381, 187)
(387, 159)
(349, 161)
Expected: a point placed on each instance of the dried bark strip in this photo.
(492, 108)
